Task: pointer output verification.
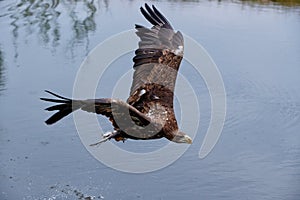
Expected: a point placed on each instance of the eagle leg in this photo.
(107, 136)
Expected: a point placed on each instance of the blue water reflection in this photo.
(256, 47)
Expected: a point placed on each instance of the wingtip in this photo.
(137, 26)
(147, 6)
(43, 99)
(154, 9)
(48, 108)
(143, 10)
(47, 122)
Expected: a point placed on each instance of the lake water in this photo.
(257, 50)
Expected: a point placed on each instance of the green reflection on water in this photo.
(288, 3)
(42, 16)
(49, 18)
(284, 3)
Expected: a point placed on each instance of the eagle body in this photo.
(148, 112)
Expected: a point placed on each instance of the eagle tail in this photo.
(65, 106)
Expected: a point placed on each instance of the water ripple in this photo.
(255, 100)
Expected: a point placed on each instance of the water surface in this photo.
(256, 47)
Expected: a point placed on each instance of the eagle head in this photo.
(181, 137)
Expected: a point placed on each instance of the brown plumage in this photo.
(148, 112)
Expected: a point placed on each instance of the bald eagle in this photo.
(148, 112)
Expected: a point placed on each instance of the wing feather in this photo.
(110, 108)
(158, 57)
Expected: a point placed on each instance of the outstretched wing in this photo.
(157, 59)
(120, 113)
